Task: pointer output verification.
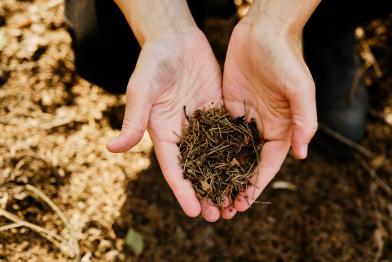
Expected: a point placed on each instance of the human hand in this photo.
(173, 70)
(265, 72)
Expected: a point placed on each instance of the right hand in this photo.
(173, 70)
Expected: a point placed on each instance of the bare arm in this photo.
(149, 18)
(176, 68)
(289, 15)
(265, 68)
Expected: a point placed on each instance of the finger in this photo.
(209, 212)
(137, 110)
(235, 108)
(273, 154)
(228, 212)
(303, 109)
(226, 202)
(167, 154)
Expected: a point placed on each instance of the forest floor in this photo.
(63, 196)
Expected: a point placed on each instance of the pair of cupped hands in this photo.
(264, 68)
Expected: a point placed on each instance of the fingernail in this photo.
(112, 141)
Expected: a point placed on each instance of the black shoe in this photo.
(341, 105)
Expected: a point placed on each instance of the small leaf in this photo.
(234, 162)
(135, 240)
(205, 186)
(284, 185)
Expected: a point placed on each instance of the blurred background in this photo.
(63, 197)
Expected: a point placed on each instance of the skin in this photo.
(264, 67)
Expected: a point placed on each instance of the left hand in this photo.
(265, 70)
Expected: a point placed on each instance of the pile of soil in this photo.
(219, 154)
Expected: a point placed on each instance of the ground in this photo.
(63, 197)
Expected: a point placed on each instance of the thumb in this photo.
(304, 115)
(137, 111)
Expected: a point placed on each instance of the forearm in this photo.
(289, 15)
(149, 18)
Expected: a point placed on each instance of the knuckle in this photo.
(126, 124)
(306, 129)
(309, 85)
(299, 87)
(311, 129)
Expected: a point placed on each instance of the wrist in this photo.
(152, 19)
(146, 33)
(283, 17)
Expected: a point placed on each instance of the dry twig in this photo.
(375, 160)
(373, 174)
(73, 240)
(219, 154)
(361, 149)
(10, 226)
(49, 235)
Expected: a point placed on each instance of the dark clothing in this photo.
(329, 42)
(106, 51)
(105, 48)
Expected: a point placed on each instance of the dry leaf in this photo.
(205, 186)
(284, 185)
(235, 162)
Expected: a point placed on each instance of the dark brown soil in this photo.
(53, 127)
(219, 154)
